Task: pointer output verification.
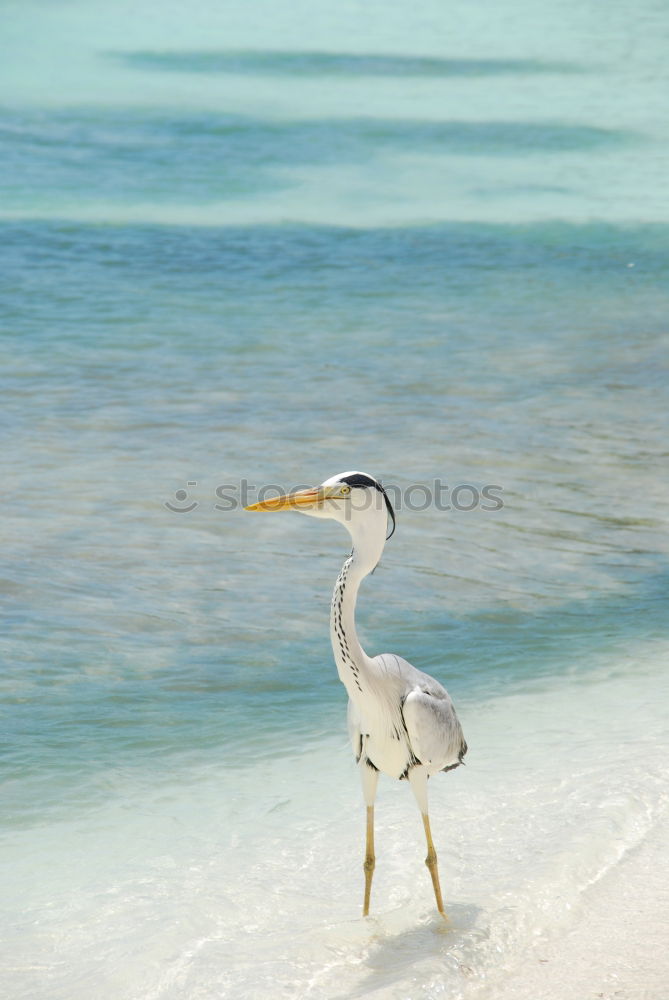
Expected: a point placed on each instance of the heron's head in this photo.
(357, 500)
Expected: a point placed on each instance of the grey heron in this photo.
(401, 721)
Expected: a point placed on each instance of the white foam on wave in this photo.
(229, 879)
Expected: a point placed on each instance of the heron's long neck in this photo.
(353, 664)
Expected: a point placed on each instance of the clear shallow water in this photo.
(236, 246)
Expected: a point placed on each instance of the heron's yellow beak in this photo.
(291, 501)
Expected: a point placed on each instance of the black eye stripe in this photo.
(360, 479)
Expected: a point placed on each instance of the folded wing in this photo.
(434, 731)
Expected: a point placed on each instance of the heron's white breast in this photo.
(391, 755)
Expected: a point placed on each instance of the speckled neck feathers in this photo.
(353, 664)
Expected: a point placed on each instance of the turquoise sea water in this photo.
(269, 243)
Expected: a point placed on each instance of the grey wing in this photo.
(433, 727)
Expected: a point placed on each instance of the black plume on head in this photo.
(360, 479)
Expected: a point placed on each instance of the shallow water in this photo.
(238, 248)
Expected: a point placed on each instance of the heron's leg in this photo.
(431, 862)
(418, 781)
(370, 779)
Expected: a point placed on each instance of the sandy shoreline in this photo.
(618, 948)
